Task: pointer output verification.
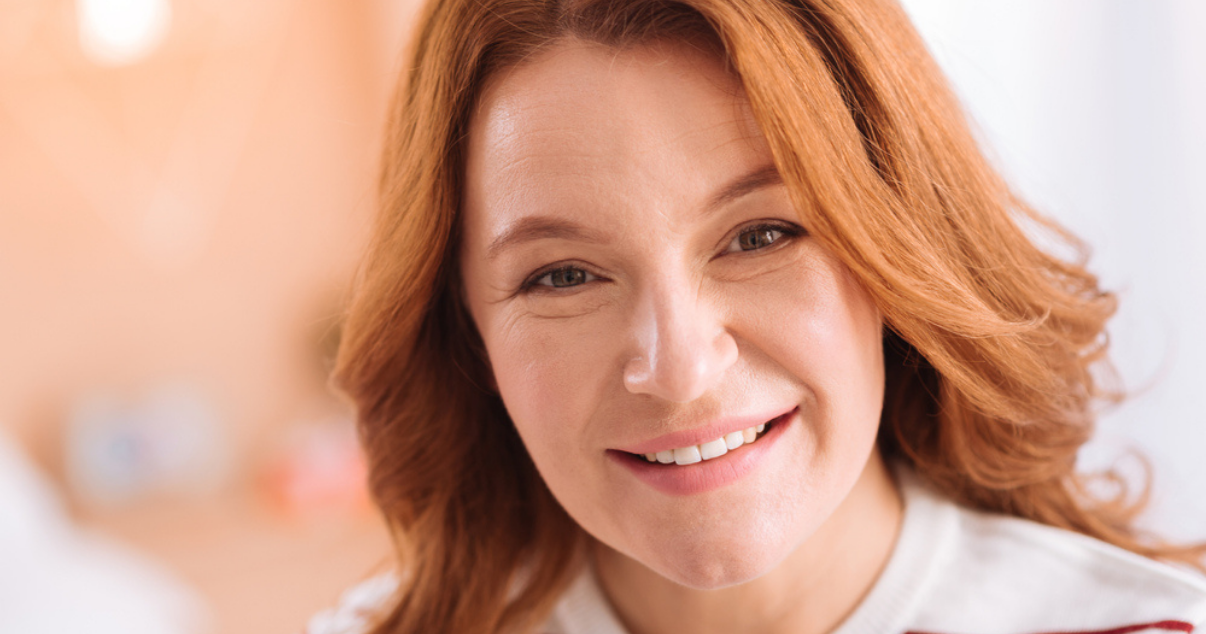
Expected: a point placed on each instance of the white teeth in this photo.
(687, 455)
(713, 449)
(734, 440)
(709, 450)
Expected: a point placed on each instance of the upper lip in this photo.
(705, 433)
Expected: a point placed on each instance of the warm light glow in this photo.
(119, 32)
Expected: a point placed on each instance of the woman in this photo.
(710, 316)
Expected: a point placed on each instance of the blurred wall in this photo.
(191, 216)
(185, 189)
(1096, 110)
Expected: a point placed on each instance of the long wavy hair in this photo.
(995, 348)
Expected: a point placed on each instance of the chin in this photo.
(701, 568)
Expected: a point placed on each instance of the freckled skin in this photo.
(673, 325)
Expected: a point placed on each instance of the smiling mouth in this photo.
(693, 454)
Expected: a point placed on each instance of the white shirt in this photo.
(952, 571)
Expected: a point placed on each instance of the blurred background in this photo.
(1096, 111)
(185, 188)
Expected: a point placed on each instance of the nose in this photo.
(682, 345)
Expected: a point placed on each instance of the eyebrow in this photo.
(531, 228)
(760, 178)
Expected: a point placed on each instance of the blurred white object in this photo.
(120, 32)
(169, 443)
(55, 578)
(356, 608)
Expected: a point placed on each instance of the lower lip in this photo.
(707, 475)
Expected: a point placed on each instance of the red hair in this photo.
(990, 342)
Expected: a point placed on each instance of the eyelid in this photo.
(531, 284)
(788, 229)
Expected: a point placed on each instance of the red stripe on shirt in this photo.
(1168, 626)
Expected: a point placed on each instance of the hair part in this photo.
(991, 344)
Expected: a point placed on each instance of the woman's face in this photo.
(643, 285)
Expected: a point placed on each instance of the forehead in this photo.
(580, 119)
(629, 86)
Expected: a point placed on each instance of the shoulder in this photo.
(1004, 574)
(580, 610)
(356, 609)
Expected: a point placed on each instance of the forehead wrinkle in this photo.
(528, 171)
(556, 185)
(514, 128)
(745, 135)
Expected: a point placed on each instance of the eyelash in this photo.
(531, 283)
(785, 229)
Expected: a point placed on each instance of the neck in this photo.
(810, 592)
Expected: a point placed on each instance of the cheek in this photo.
(817, 320)
(549, 373)
(551, 376)
(816, 324)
